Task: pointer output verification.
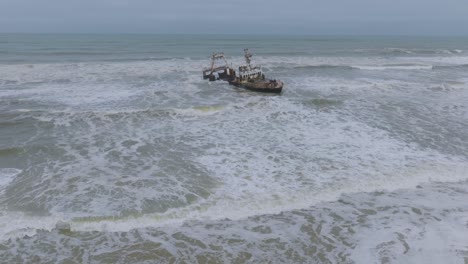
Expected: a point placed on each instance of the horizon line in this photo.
(239, 34)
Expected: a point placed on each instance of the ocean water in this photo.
(362, 159)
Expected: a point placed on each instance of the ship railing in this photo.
(220, 68)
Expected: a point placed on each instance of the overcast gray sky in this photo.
(382, 17)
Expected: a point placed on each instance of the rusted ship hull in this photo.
(223, 72)
(250, 77)
(264, 86)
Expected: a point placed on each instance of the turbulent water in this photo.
(362, 159)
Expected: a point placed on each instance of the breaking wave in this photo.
(393, 67)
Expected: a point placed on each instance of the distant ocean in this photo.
(362, 159)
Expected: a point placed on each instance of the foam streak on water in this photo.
(361, 159)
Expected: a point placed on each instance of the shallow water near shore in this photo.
(361, 159)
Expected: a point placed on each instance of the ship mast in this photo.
(247, 56)
(217, 56)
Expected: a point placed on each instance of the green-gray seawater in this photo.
(362, 158)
